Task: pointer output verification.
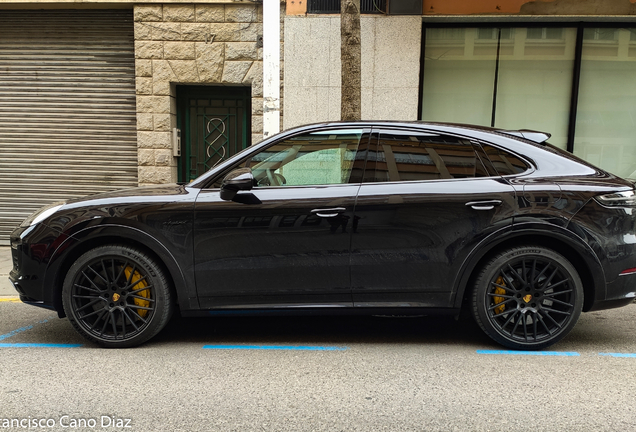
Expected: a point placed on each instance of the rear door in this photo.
(425, 201)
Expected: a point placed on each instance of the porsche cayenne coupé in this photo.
(360, 217)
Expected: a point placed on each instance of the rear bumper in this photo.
(611, 234)
(611, 304)
(620, 292)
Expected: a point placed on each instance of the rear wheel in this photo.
(117, 296)
(527, 297)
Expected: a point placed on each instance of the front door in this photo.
(286, 242)
(214, 123)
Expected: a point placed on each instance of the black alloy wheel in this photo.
(527, 297)
(117, 296)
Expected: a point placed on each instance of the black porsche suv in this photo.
(361, 217)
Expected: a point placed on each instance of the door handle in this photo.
(329, 212)
(483, 205)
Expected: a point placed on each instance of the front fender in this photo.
(92, 236)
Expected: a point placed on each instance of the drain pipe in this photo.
(271, 67)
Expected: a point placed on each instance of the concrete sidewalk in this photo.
(6, 289)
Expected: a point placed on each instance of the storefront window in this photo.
(606, 115)
(522, 77)
(510, 78)
(535, 82)
(458, 76)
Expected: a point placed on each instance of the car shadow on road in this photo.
(324, 330)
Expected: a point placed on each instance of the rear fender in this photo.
(553, 236)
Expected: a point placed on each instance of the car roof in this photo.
(527, 134)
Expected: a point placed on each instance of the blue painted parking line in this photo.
(15, 332)
(38, 345)
(632, 355)
(276, 347)
(534, 353)
(20, 330)
(31, 345)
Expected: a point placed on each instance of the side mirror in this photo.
(238, 179)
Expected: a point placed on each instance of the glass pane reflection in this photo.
(459, 74)
(606, 117)
(534, 80)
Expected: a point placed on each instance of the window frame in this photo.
(334, 7)
(475, 145)
(292, 153)
(530, 168)
(217, 178)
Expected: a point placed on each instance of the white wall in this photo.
(390, 68)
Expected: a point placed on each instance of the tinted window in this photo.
(505, 163)
(317, 158)
(406, 156)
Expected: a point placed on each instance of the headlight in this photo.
(618, 199)
(42, 214)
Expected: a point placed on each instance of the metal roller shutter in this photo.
(67, 108)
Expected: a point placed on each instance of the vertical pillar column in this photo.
(271, 67)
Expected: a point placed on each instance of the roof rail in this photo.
(532, 135)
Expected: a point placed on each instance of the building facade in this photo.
(97, 95)
(567, 67)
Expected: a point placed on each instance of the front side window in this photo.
(317, 158)
(407, 156)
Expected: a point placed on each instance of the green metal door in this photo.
(214, 123)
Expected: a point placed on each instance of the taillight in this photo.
(628, 272)
(618, 199)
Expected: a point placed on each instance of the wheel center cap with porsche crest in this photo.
(116, 297)
(526, 298)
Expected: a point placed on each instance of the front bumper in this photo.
(31, 252)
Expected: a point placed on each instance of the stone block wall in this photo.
(214, 44)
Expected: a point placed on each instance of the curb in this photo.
(9, 299)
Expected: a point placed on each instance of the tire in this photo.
(117, 296)
(527, 297)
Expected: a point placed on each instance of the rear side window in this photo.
(408, 156)
(505, 163)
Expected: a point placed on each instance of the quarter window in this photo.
(406, 156)
(505, 163)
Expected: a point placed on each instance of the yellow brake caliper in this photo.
(499, 290)
(135, 286)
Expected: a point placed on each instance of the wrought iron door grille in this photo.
(333, 6)
(217, 139)
(215, 126)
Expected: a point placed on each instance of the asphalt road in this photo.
(381, 374)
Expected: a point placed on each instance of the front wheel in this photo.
(117, 296)
(527, 297)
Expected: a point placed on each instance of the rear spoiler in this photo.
(532, 135)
